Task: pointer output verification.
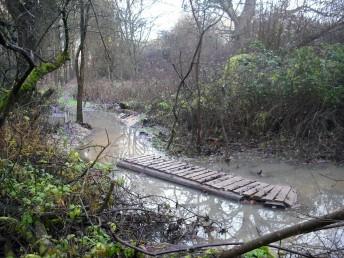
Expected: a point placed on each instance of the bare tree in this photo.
(134, 29)
(283, 25)
(204, 20)
(202, 14)
(241, 19)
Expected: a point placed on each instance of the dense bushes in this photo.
(294, 98)
(43, 213)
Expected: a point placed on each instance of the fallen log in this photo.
(298, 229)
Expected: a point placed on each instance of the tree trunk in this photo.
(242, 24)
(80, 69)
(243, 30)
(25, 26)
(80, 80)
(198, 88)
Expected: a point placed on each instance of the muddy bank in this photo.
(67, 134)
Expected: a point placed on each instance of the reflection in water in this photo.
(317, 194)
(125, 141)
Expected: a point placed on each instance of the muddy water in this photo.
(317, 193)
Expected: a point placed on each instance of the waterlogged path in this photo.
(318, 193)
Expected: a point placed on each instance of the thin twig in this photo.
(94, 161)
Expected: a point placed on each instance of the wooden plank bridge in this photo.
(213, 182)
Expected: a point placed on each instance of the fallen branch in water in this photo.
(298, 229)
(331, 178)
(328, 221)
(193, 248)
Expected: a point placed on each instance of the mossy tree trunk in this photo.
(29, 71)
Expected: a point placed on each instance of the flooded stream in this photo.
(318, 193)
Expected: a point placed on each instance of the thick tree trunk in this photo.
(242, 23)
(25, 26)
(301, 228)
(243, 30)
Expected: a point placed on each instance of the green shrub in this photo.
(262, 252)
(295, 98)
(294, 92)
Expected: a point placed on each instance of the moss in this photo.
(42, 70)
(37, 73)
(62, 57)
(4, 99)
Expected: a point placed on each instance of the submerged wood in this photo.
(222, 184)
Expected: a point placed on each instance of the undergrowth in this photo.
(292, 101)
(53, 204)
(42, 213)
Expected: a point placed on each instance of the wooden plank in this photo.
(271, 195)
(228, 182)
(218, 180)
(247, 187)
(175, 170)
(282, 194)
(259, 191)
(189, 170)
(291, 198)
(180, 172)
(200, 173)
(162, 165)
(196, 175)
(147, 160)
(194, 172)
(178, 180)
(151, 162)
(209, 178)
(208, 173)
(176, 166)
(236, 185)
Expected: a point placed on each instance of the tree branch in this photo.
(301, 228)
